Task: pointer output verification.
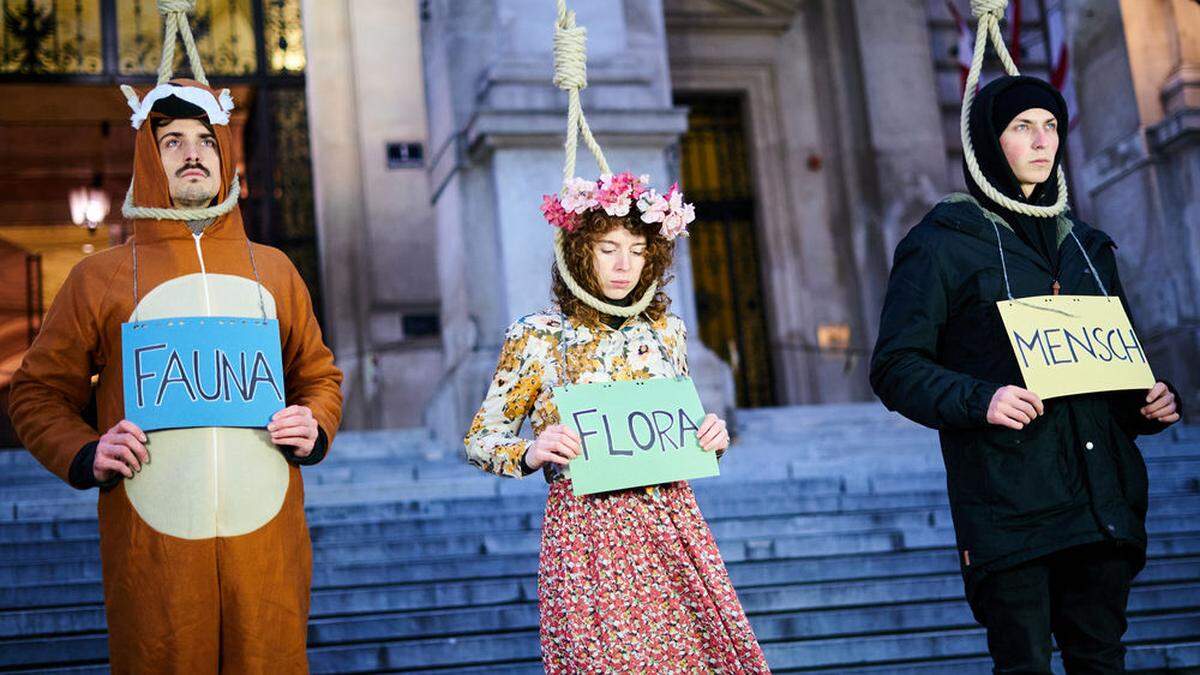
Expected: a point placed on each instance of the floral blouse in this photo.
(531, 365)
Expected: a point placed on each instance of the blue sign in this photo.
(212, 371)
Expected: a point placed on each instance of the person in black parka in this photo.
(1048, 498)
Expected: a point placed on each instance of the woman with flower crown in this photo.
(628, 581)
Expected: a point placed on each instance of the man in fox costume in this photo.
(205, 548)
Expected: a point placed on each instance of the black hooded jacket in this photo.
(1073, 476)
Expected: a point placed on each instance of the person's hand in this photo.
(294, 426)
(121, 450)
(1160, 405)
(713, 434)
(556, 444)
(1014, 407)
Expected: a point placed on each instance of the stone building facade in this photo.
(826, 127)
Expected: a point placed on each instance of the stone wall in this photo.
(376, 226)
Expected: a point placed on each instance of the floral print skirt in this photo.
(632, 582)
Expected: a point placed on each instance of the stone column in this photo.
(906, 142)
(378, 243)
(1137, 74)
(496, 130)
(337, 194)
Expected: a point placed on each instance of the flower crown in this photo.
(617, 194)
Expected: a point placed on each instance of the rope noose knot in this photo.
(166, 7)
(570, 54)
(995, 8)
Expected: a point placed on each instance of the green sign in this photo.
(634, 433)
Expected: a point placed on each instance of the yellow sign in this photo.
(1075, 344)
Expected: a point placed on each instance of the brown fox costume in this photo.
(205, 552)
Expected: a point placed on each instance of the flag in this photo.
(965, 46)
(1059, 53)
(1014, 24)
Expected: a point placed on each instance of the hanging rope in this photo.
(570, 75)
(175, 22)
(988, 13)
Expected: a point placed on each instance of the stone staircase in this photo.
(833, 521)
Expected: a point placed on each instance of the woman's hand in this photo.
(713, 434)
(556, 444)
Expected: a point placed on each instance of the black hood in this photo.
(991, 111)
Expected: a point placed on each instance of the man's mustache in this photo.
(189, 167)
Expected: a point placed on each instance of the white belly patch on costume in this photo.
(210, 481)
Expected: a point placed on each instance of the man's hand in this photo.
(294, 426)
(121, 450)
(1014, 407)
(1160, 405)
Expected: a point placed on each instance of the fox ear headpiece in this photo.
(216, 107)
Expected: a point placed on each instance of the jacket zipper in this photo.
(203, 273)
(215, 455)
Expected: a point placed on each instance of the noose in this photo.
(175, 22)
(989, 13)
(570, 75)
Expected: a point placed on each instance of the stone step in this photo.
(68, 504)
(1183, 657)
(825, 416)
(803, 454)
(866, 417)
(790, 653)
(739, 539)
(454, 479)
(816, 622)
(1170, 475)
(60, 560)
(777, 494)
(508, 647)
(330, 523)
(333, 486)
(1163, 585)
(397, 442)
(885, 618)
(463, 515)
(63, 576)
(833, 522)
(843, 652)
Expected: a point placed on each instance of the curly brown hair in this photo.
(578, 251)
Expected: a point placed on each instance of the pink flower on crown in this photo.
(669, 210)
(653, 207)
(556, 215)
(673, 225)
(617, 194)
(681, 215)
(579, 195)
